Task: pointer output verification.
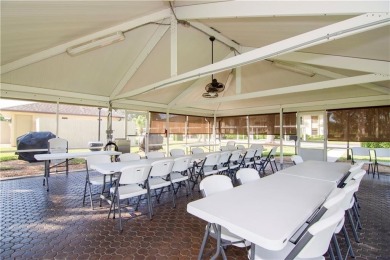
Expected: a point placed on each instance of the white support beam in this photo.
(350, 63)
(334, 83)
(218, 36)
(266, 8)
(335, 31)
(59, 94)
(157, 35)
(333, 75)
(238, 80)
(62, 48)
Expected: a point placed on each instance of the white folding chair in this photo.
(209, 166)
(362, 154)
(197, 150)
(128, 157)
(269, 159)
(234, 164)
(223, 163)
(380, 153)
(131, 183)
(155, 154)
(208, 187)
(159, 179)
(296, 159)
(248, 160)
(245, 175)
(59, 145)
(241, 147)
(231, 143)
(177, 152)
(180, 173)
(95, 180)
(313, 244)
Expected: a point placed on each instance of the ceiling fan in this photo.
(214, 87)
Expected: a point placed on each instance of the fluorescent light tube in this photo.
(293, 69)
(95, 43)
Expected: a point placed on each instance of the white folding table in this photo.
(65, 156)
(320, 170)
(266, 212)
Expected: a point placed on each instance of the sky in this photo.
(10, 103)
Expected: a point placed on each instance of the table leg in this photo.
(218, 233)
(103, 188)
(46, 174)
(253, 247)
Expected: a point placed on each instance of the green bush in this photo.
(376, 144)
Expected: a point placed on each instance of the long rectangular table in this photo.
(65, 156)
(266, 212)
(319, 170)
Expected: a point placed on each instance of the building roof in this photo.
(50, 108)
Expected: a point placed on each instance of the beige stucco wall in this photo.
(5, 132)
(78, 130)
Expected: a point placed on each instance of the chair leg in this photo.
(356, 214)
(348, 242)
(355, 234)
(90, 195)
(85, 190)
(120, 217)
(112, 203)
(173, 196)
(356, 200)
(330, 252)
(337, 247)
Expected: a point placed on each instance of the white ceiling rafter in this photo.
(156, 37)
(264, 8)
(350, 63)
(218, 36)
(333, 75)
(62, 48)
(33, 93)
(334, 83)
(335, 31)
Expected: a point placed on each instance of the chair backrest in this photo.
(58, 145)
(250, 153)
(235, 156)
(256, 146)
(381, 152)
(161, 168)
(240, 147)
(360, 151)
(211, 159)
(224, 148)
(98, 158)
(231, 143)
(177, 152)
(181, 164)
(224, 157)
(358, 176)
(334, 201)
(128, 157)
(321, 232)
(356, 166)
(134, 174)
(296, 159)
(214, 184)
(273, 150)
(245, 175)
(197, 150)
(350, 188)
(155, 154)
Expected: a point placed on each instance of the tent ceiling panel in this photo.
(368, 45)
(96, 72)
(33, 26)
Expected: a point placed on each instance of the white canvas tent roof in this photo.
(164, 62)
